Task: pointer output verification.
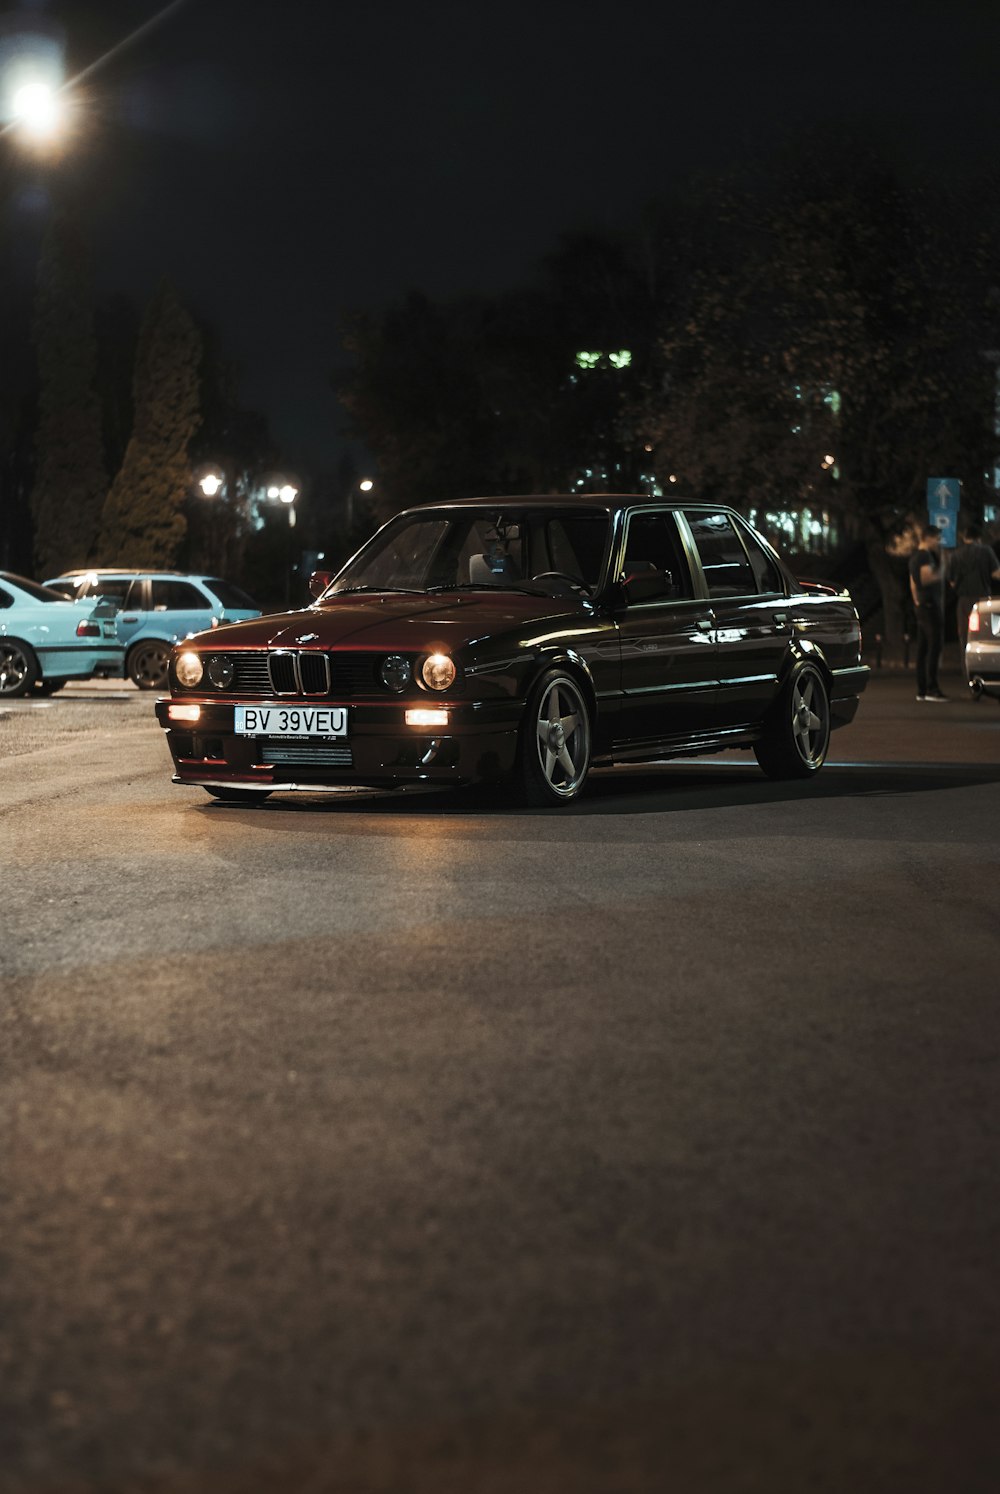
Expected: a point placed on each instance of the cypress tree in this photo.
(70, 477)
(143, 520)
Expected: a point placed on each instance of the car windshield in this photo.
(443, 549)
(33, 590)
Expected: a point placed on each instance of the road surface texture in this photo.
(424, 1145)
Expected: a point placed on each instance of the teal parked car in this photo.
(156, 610)
(46, 640)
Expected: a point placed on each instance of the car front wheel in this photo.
(147, 664)
(18, 668)
(797, 736)
(555, 740)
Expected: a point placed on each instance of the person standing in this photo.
(926, 587)
(972, 570)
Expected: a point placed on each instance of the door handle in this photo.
(705, 624)
(130, 619)
(781, 619)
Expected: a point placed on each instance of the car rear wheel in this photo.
(797, 736)
(18, 668)
(554, 749)
(147, 664)
(237, 795)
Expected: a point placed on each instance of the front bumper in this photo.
(478, 745)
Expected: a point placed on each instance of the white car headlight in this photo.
(189, 669)
(437, 671)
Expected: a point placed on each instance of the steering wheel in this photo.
(573, 581)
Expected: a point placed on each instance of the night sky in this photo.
(285, 161)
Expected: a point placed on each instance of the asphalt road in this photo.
(413, 1143)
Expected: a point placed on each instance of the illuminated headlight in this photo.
(396, 672)
(220, 671)
(437, 671)
(189, 669)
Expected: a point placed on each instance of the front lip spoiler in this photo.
(278, 788)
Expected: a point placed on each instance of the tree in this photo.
(829, 352)
(143, 518)
(70, 476)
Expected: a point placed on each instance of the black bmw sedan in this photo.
(524, 640)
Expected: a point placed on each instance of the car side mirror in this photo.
(642, 586)
(319, 581)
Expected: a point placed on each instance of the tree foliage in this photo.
(143, 518)
(70, 476)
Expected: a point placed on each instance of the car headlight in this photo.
(189, 669)
(396, 672)
(220, 671)
(437, 671)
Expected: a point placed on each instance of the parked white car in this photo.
(982, 650)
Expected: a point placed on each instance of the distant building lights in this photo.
(590, 360)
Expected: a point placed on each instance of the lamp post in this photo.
(286, 493)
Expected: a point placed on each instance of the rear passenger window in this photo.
(723, 559)
(765, 571)
(178, 596)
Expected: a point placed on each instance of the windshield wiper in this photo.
(407, 590)
(479, 586)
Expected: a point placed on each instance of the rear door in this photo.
(668, 668)
(752, 618)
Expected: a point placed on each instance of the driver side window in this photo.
(653, 547)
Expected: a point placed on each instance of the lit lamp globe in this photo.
(210, 484)
(37, 110)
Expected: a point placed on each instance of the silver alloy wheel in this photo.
(810, 717)
(17, 670)
(148, 663)
(562, 738)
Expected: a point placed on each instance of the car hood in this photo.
(397, 622)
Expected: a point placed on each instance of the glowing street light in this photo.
(210, 484)
(37, 110)
(366, 485)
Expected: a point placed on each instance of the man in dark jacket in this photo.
(926, 587)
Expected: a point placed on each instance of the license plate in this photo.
(290, 721)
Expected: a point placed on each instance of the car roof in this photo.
(571, 500)
(122, 570)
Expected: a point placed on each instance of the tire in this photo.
(237, 795)
(797, 736)
(555, 744)
(49, 686)
(19, 670)
(147, 664)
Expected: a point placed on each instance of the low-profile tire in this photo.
(236, 795)
(797, 733)
(18, 668)
(555, 743)
(49, 686)
(147, 664)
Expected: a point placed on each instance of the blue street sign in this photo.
(944, 497)
(944, 492)
(945, 519)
